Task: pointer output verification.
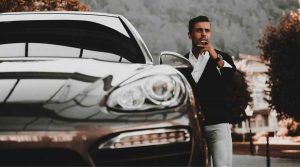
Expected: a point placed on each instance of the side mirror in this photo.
(174, 59)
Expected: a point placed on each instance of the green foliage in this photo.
(280, 46)
(41, 5)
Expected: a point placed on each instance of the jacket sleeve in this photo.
(226, 72)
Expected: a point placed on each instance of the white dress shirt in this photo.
(200, 63)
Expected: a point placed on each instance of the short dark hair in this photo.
(197, 19)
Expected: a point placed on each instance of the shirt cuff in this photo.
(225, 65)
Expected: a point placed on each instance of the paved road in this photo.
(276, 150)
(260, 161)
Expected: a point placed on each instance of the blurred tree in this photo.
(41, 5)
(280, 46)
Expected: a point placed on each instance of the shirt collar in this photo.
(192, 57)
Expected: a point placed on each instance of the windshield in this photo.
(66, 38)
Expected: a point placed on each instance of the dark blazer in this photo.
(210, 90)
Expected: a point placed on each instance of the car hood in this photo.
(47, 93)
(38, 80)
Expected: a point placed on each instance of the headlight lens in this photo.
(159, 91)
(162, 89)
(131, 98)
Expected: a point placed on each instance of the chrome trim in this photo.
(109, 144)
(141, 43)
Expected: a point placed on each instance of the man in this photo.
(212, 71)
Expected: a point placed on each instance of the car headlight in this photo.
(154, 92)
(131, 98)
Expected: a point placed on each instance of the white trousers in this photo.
(219, 144)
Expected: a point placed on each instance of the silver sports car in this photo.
(81, 89)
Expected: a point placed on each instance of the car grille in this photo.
(164, 146)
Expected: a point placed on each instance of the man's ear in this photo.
(189, 34)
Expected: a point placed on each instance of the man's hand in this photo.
(207, 46)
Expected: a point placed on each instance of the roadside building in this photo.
(263, 118)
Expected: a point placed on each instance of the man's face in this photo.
(200, 34)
